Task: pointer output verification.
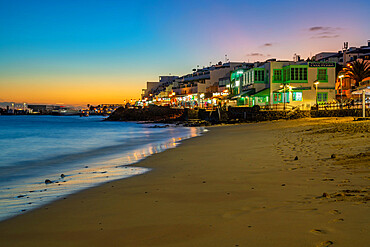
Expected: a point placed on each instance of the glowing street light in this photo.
(341, 90)
(316, 84)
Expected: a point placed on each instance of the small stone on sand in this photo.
(325, 195)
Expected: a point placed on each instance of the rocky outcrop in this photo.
(151, 113)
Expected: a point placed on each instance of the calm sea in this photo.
(87, 150)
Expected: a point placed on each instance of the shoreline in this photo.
(237, 185)
(23, 186)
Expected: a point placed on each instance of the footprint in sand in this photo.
(334, 211)
(317, 231)
(325, 243)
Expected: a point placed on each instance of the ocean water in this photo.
(87, 150)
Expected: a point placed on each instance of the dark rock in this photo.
(20, 196)
(151, 113)
(296, 158)
(48, 181)
(333, 156)
(325, 195)
(283, 185)
(62, 175)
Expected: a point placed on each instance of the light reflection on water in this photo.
(31, 192)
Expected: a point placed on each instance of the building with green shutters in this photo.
(284, 83)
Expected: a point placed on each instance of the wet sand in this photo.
(284, 183)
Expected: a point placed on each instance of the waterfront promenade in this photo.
(282, 183)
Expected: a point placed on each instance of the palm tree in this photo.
(358, 71)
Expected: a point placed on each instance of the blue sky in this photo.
(117, 46)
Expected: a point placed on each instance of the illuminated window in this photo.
(297, 96)
(279, 98)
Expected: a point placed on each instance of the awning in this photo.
(262, 93)
(248, 92)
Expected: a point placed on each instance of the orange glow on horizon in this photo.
(70, 91)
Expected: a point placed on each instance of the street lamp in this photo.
(341, 90)
(316, 84)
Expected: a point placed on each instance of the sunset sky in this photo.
(80, 52)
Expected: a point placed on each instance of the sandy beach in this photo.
(284, 183)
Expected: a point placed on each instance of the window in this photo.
(277, 75)
(259, 75)
(297, 96)
(322, 75)
(279, 97)
(322, 97)
(298, 74)
(262, 99)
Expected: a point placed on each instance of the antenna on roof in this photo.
(345, 46)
